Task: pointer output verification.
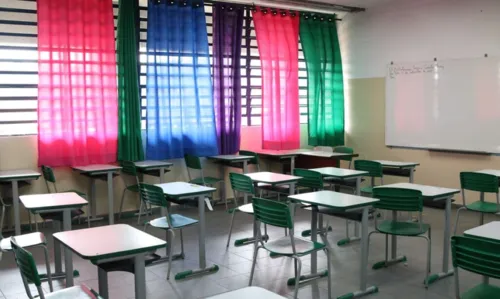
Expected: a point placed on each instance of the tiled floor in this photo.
(399, 281)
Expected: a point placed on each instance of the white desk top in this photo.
(490, 171)
(97, 168)
(52, 201)
(339, 172)
(271, 177)
(152, 164)
(326, 154)
(427, 191)
(231, 157)
(489, 231)
(398, 164)
(18, 174)
(336, 200)
(109, 241)
(248, 293)
(182, 189)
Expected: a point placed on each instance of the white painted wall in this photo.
(418, 30)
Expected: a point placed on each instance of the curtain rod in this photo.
(320, 7)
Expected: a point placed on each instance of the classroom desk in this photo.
(98, 171)
(111, 243)
(57, 202)
(179, 191)
(282, 155)
(434, 194)
(151, 167)
(248, 293)
(339, 202)
(316, 159)
(396, 168)
(14, 176)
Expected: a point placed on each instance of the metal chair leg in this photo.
(140, 212)
(230, 229)
(47, 265)
(456, 220)
(297, 276)
(386, 248)
(121, 204)
(29, 217)
(256, 251)
(182, 243)
(170, 252)
(36, 225)
(328, 260)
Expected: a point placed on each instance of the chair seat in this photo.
(484, 207)
(178, 221)
(24, 241)
(402, 228)
(76, 292)
(248, 208)
(58, 216)
(367, 190)
(283, 246)
(208, 181)
(482, 291)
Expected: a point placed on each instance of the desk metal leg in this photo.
(363, 289)
(102, 278)
(162, 180)
(445, 272)
(15, 201)
(140, 276)
(412, 172)
(292, 165)
(395, 259)
(68, 259)
(348, 239)
(92, 207)
(111, 207)
(201, 243)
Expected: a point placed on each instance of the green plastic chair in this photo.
(193, 162)
(29, 273)
(479, 256)
(344, 150)
(374, 170)
(241, 184)
(129, 169)
(310, 180)
(405, 200)
(279, 214)
(254, 161)
(154, 196)
(482, 183)
(50, 179)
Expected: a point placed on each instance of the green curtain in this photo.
(320, 43)
(130, 147)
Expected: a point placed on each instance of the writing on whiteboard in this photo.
(398, 70)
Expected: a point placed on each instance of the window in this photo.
(19, 68)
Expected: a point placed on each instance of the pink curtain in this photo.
(277, 39)
(77, 88)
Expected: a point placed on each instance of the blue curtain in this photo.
(180, 112)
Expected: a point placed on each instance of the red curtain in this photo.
(77, 88)
(277, 39)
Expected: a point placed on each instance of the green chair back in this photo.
(480, 182)
(192, 161)
(272, 212)
(48, 174)
(476, 255)
(152, 194)
(309, 179)
(128, 167)
(398, 199)
(373, 168)
(254, 160)
(241, 183)
(344, 150)
(26, 264)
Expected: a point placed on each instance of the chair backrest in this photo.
(152, 194)
(309, 179)
(241, 183)
(48, 174)
(373, 168)
(476, 255)
(271, 212)
(344, 150)
(192, 161)
(398, 199)
(480, 182)
(254, 160)
(128, 167)
(27, 266)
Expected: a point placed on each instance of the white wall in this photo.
(418, 30)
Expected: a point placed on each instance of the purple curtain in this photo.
(227, 31)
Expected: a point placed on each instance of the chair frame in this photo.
(129, 169)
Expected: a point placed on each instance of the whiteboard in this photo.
(447, 105)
